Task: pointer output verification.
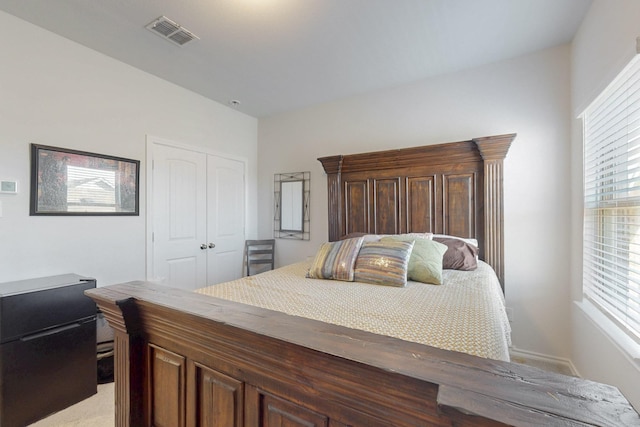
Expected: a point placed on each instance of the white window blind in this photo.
(611, 272)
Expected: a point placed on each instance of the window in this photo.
(611, 271)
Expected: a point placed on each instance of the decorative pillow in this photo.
(383, 263)
(335, 260)
(425, 264)
(469, 240)
(460, 255)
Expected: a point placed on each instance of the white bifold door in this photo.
(197, 217)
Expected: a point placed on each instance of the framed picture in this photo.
(71, 182)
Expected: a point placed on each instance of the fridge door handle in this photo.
(51, 331)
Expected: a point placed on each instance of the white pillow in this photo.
(377, 237)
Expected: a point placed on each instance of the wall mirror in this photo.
(291, 205)
(71, 182)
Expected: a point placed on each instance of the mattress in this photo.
(466, 313)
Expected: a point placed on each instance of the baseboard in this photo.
(526, 354)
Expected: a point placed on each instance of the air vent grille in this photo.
(165, 27)
(169, 30)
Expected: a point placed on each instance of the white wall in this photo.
(527, 95)
(56, 92)
(604, 44)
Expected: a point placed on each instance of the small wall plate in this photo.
(9, 187)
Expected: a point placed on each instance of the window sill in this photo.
(622, 341)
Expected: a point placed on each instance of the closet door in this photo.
(197, 215)
(225, 219)
(179, 219)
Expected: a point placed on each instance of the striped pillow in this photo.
(335, 260)
(425, 263)
(383, 263)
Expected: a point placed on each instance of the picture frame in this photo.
(72, 182)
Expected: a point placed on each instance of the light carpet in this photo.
(95, 411)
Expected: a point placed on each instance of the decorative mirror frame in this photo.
(72, 182)
(278, 180)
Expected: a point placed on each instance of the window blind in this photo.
(611, 264)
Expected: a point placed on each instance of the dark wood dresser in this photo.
(47, 347)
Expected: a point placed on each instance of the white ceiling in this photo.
(278, 55)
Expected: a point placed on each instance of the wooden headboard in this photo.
(453, 188)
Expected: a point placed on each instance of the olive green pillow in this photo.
(425, 264)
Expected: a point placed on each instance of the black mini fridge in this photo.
(47, 347)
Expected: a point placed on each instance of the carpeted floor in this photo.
(96, 411)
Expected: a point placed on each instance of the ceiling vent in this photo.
(169, 30)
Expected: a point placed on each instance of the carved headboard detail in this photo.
(454, 188)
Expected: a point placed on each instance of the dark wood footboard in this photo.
(184, 359)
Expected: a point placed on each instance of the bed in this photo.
(465, 313)
(187, 359)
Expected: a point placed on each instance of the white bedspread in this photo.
(464, 314)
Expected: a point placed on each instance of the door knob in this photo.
(203, 246)
(212, 245)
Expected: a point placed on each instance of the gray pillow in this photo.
(460, 255)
